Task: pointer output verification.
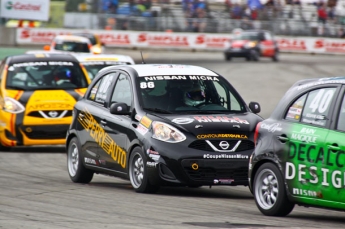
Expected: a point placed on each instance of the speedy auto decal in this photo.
(103, 139)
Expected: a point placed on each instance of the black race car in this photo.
(160, 125)
(252, 44)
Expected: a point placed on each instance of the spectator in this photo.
(322, 14)
(236, 12)
(331, 13)
(341, 33)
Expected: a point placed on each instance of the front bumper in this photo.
(34, 135)
(181, 165)
(237, 52)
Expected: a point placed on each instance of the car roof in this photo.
(41, 56)
(305, 83)
(170, 69)
(102, 57)
(71, 38)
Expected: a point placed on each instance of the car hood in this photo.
(238, 44)
(215, 125)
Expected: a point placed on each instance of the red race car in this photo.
(252, 44)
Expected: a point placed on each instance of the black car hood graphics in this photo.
(214, 125)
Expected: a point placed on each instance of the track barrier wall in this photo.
(38, 37)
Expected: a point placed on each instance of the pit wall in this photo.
(167, 40)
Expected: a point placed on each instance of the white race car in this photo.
(94, 63)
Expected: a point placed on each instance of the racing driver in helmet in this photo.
(194, 95)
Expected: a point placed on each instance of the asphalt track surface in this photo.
(36, 192)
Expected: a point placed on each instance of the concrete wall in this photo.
(7, 36)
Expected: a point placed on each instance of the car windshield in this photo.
(191, 94)
(93, 67)
(252, 36)
(89, 36)
(45, 75)
(72, 46)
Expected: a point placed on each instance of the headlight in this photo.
(13, 106)
(96, 50)
(166, 133)
(250, 45)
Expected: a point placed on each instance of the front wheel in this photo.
(76, 170)
(228, 57)
(275, 57)
(4, 148)
(269, 191)
(138, 172)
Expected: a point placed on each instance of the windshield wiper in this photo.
(158, 110)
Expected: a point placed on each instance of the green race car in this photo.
(299, 154)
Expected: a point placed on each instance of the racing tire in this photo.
(228, 57)
(138, 172)
(4, 148)
(270, 193)
(76, 169)
(254, 55)
(275, 57)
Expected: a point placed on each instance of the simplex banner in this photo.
(37, 10)
(171, 40)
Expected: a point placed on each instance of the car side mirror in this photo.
(46, 47)
(119, 109)
(255, 107)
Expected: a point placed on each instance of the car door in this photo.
(117, 126)
(91, 114)
(306, 158)
(334, 180)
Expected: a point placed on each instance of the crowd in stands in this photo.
(249, 13)
(195, 12)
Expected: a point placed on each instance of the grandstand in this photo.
(283, 17)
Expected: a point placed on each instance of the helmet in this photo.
(194, 95)
(63, 74)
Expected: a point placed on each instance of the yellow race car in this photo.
(37, 95)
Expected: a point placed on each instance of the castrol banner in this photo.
(171, 40)
(25, 9)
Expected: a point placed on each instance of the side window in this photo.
(100, 89)
(122, 92)
(341, 116)
(317, 107)
(295, 110)
(94, 90)
(225, 96)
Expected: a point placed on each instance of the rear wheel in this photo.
(275, 57)
(138, 172)
(254, 55)
(269, 191)
(76, 169)
(4, 148)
